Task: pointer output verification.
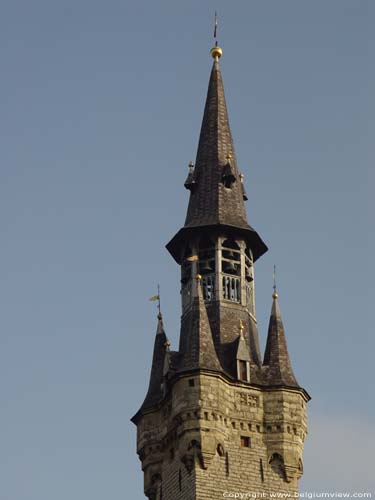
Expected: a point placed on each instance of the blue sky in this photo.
(101, 106)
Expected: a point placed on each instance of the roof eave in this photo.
(255, 242)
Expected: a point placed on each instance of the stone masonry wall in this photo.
(212, 437)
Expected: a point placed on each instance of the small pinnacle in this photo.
(241, 328)
(198, 277)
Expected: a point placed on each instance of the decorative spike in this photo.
(190, 182)
(244, 195)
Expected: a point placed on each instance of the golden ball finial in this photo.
(216, 52)
(275, 295)
(198, 277)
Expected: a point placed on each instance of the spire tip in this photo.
(275, 294)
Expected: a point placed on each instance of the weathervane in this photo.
(157, 298)
(216, 51)
(215, 30)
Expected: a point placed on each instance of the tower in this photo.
(217, 417)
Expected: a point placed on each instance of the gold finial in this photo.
(167, 344)
(198, 277)
(241, 328)
(216, 52)
(229, 156)
(241, 177)
(191, 166)
(275, 294)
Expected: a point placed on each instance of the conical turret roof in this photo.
(276, 356)
(217, 199)
(197, 346)
(158, 361)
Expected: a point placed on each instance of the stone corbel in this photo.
(152, 481)
(193, 452)
(290, 473)
(207, 451)
(151, 492)
(293, 466)
(188, 460)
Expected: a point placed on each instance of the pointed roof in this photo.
(254, 344)
(276, 356)
(161, 346)
(217, 199)
(215, 156)
(242, 351)
(198, 349)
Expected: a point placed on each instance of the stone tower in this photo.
(217, 418)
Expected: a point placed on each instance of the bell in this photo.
(184, 278)
(230, 267)
(249, 275)
(230, 254)
(206, 268)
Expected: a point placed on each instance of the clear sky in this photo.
(101, 105)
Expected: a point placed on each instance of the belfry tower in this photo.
(217, 417)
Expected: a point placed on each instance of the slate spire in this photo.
(276, 356)
(216, 192)
(197, 346)
(215, 162)
(161, 345)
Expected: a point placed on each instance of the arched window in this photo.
(186, 266)
(206, 255)
(249, 274)
(206, 267)
(243, 370)
(231, 258)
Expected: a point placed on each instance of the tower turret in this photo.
(217, 234)
(215, 417)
